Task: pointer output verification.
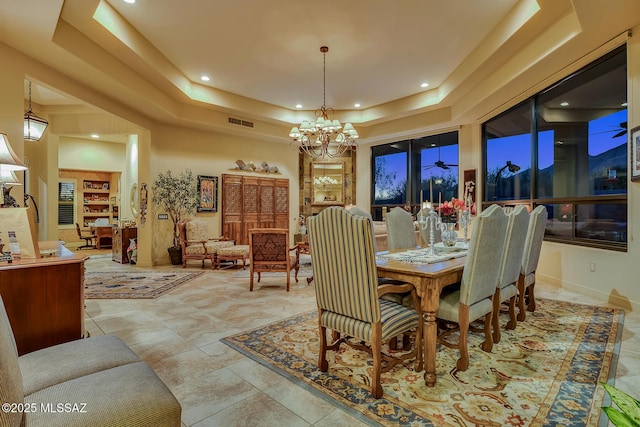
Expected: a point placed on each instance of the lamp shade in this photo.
(34, 126)
(8, 159)
(8, 177)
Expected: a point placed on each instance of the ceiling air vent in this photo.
(240, 122)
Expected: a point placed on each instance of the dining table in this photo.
(430, 275)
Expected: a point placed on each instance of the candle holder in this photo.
(465, 221)
(431, 220)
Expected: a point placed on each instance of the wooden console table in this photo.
(44, 299)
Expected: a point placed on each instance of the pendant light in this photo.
(34, 126)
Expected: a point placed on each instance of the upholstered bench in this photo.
(233, 253)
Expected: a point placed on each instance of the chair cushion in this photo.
(235, 250)
(129, 395)
(395, 319)
(11, 390)
(197, 249)
(53, 365)
(450, 307)
(212, 247)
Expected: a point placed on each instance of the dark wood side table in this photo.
(121, 240)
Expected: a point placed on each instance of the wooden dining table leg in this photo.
(429, 334)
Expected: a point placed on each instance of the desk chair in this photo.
(87, 236)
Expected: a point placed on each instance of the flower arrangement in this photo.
(449, 209)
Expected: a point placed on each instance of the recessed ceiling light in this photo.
(356, 105)
(205, 78)
(298, 105)
(425, 84)
(433, 144)
(564, 104)
(624, 104)
(130, 1)
(95, 135)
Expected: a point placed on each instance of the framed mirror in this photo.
(327, 179)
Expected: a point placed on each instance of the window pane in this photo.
(508, 151)
(582, 125)
(436, 167)
(601, 221)
(66, 196)
(390, 174)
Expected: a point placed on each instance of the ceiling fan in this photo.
(440, 164)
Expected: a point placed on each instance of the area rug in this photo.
(545, 372)
(136, 284)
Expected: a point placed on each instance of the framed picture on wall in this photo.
(207, 193)
(635, 153)
(470, 188)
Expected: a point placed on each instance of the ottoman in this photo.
(233, 253)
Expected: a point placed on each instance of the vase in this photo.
(448, 234)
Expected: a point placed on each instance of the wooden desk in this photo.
(429, 280)
(44, 299)
(103, 232)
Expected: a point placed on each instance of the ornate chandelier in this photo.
(324, 137)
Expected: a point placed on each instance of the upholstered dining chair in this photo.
(398, 298)
(269, 251)
(474, 298)
(348, 294)
(517, 223)
(401, 233)
(530, 258)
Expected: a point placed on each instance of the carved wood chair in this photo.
(348, 294)
(193, 242)
(269, 251)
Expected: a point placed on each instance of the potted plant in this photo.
(176, 195)
(629, 413)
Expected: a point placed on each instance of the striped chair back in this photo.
(482, 266)
(344, 265)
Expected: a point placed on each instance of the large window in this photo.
(566, 148)
(408, 172)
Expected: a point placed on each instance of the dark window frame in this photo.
(574, 203)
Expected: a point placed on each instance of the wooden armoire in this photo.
(253, 202)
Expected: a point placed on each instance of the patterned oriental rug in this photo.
(545, 372)
(138, 284)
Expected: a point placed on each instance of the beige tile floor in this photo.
(178, 335)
